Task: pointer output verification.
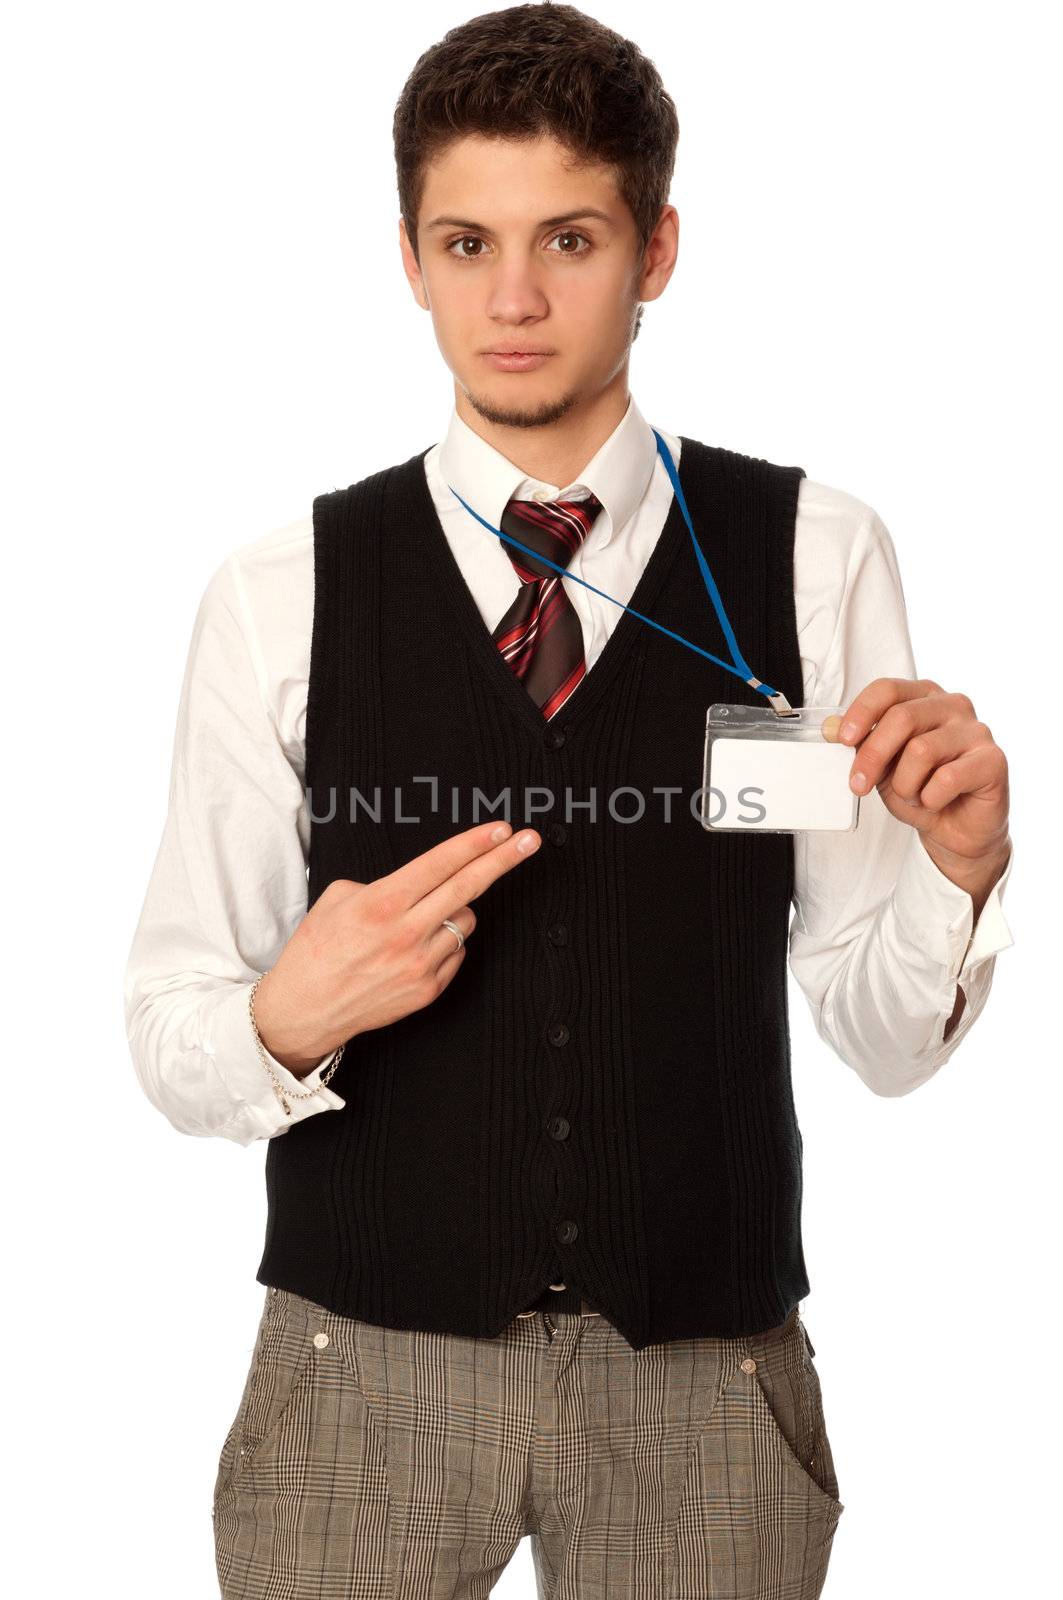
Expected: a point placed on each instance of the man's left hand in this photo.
(938, 768)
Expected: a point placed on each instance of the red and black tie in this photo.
(540, 635)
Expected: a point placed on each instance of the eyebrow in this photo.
(548, 222)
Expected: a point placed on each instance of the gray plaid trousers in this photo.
(375, 1463)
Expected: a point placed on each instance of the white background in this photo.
(207, 326)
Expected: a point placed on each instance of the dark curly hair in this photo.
(541, 69)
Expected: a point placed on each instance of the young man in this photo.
(537, 1268)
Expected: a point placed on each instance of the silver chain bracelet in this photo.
(282, 1093)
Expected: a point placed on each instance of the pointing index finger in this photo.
(436, 866)
(473, 877)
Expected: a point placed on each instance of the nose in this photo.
(515, 292)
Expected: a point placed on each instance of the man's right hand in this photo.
(367, 954)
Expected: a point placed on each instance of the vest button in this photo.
(566, 1232)
(558, 934)
(557, 1033)
(556, 832)
(555, 738)
(559, 1128)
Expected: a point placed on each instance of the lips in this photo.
(515, 360)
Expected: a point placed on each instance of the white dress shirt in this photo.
(880, 937)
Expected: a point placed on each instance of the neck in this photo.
(557, 452)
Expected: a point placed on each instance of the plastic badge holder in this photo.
(766, 773)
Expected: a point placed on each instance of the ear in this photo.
(411, 269)
(662, 248)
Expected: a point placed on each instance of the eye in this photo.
(466, 238)
(570, 233)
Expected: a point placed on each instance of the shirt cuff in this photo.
(231, 1043)
(936, 913)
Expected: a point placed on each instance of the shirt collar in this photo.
(618, 474)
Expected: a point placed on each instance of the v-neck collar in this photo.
(471, 624)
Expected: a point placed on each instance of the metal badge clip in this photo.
(778, 701)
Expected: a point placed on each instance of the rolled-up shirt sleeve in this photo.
(881, 938)
(227, 890)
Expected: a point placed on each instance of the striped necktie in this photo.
(540, 635)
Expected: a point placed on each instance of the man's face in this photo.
(498, 273)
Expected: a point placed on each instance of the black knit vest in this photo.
(601, 1096)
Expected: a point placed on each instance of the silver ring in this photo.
(455, 930)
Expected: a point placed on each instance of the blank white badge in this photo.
(777, 779)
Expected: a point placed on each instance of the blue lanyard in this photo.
(740, 666)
